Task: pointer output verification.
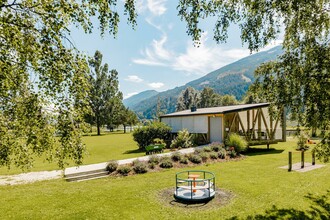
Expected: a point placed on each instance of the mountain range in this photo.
(233, 79)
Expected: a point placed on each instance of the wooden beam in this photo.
(240, 121)
(248, 125)
(264, 119)
(232, 122)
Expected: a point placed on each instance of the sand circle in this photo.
(222, 198)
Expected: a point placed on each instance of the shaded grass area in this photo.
(260, 191)
(110, 146)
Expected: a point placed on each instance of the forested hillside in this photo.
(233, 79)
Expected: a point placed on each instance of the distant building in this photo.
(249, 120)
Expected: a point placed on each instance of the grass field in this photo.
(111, 146)
(261, 191)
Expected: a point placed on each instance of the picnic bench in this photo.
(154, 148)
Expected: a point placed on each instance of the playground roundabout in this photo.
(222, 198)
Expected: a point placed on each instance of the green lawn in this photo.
(111, 146)
(261, 190)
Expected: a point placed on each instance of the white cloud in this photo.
(156, 55)
(134, 78)
(156, 85)
(194, 60)
(130, 95)
(157, 7)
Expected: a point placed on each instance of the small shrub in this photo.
(204, 156)
(238, 142)
(207, 149)
(139, 167)
(182, 140)
(154, 159)
(213, 155)
(195, 159)
(124, 170)
(232, 153)
(158, 141)
(166, 162)
(184, 160)
(222, 153)
(176, 156)
(152, 165)
(112, 166)
(216, 146)
(198, 150)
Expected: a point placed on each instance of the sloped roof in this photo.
(216, 110)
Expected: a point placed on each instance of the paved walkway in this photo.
(100, 166)
(56, 174)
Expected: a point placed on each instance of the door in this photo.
(216, 129)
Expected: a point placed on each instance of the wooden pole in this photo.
(313, 158)
(290, 161)
(302, 159)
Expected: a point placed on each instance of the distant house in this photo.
(249, 120)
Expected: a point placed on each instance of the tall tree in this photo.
(228, 100)
(104, 96)
(187, 99)
(43, 78)
(208, 98)
(300, 78)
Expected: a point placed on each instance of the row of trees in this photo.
(191, 97)
(105, 99)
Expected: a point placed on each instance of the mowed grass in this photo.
(110, 146)
(261, 190)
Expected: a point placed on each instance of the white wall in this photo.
(194, 124)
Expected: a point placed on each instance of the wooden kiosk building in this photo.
(252, 121)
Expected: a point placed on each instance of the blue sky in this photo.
(158, 54)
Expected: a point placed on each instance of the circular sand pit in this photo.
(222, 198)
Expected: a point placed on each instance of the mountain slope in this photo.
(135, 99)
(233, 79)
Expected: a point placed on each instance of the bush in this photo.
(145, 135)
(165, 162)
(176, 156)
(112, 166)
(195, 159)
(238, 142)
(204, 156)
(152, 165)
(182, 140)
(154, 159)
(139, 167)
(232, 154)
(213, 155)
(222, 153)
(158, 141)
(198, 150)
(124, 170)
(207, 149)
(216, 146)
(184, 160)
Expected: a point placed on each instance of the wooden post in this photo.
(284, 125)
(290, 161)
(302, 159)
(259, 125)
(313, 158)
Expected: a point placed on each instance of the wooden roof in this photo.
(216, 110)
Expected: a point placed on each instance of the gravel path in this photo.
(31, 177)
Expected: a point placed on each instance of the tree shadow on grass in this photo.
(320, 209)
(135, 151)
(262, 151)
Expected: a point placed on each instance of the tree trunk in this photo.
(98, 129)
(124, 128)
